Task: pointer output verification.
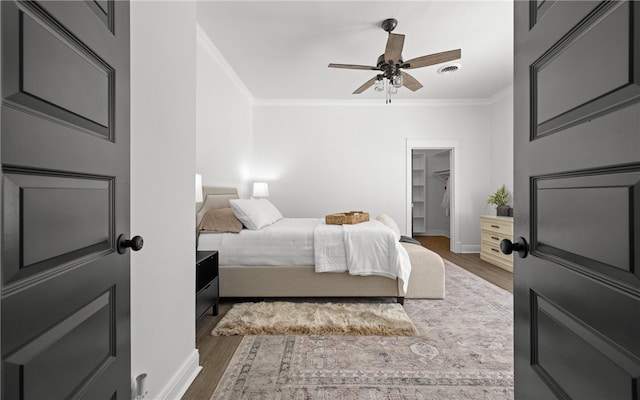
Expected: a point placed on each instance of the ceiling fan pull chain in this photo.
(386, 90)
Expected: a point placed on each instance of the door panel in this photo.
(591, 85)
(573, 203)
(78, 221)
(577, 176)
(570, 68)
(55, 74)
(54, 349)
(65, 194)
(575, 359)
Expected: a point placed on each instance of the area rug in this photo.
(463, 350)
(303, 318)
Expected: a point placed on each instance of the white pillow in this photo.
(255, 213)
(390, 223)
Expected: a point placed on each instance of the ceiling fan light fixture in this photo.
(449, 68)
(379, 87)
(398, 81)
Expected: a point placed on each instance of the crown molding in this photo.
(431, 103)
(504, 93)
(212, 50)
(371, 103)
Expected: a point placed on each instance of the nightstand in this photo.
(207, 282)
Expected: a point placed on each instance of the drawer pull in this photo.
(495, 238)
(495, 226)
(496, 250)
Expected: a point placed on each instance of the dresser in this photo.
(492, 231)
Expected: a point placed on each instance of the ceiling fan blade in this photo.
(352, 66)
(366, 85)
(432, 59)
(410, 82)
(393, 51)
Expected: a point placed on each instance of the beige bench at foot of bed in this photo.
(427, 273)
(426, 280)
(301, 281)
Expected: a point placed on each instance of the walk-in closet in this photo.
(430, 196)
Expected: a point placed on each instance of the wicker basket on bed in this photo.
(349, 217)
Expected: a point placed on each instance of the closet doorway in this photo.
(431, 177)
(431, 171)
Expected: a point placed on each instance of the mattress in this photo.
(289, 241)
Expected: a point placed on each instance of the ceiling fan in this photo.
(392, 65)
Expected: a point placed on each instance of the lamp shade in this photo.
(260, 189)
(199, 188)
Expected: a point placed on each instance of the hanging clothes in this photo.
(445, 201)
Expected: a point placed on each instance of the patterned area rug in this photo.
(295, 318)
(464, 350)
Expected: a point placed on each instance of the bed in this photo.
(294, 275)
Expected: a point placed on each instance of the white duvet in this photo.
(289, 241)
(368, 248)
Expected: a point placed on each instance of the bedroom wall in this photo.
(224, 121)
(162, 196)
(324, 158)
(502, 141)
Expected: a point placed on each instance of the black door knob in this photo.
(135, 243)
(521, 246)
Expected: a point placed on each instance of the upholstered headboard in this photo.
(214, 197)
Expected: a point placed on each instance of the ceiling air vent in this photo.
(449, 68)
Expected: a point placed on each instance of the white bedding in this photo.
(367, 248)
(286, 242)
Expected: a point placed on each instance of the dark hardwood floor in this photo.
(216, 351)
(215, 354)
(469, 261)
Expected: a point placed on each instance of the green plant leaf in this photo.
(500, 197)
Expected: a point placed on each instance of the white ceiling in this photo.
(280, 49)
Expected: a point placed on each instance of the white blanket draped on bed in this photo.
(367, 248)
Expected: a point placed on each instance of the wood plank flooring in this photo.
(469, 261)
(216, 351)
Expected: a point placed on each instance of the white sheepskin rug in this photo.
(288, 318)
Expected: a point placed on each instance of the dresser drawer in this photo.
(206, 298)
(206, 270)
(504, 227)
(493, 258)
(493, 250)
(207, 282)
(493, 237)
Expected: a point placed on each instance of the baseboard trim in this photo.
(438, 232)
(432, 233)
(183, 378)
(469, 248)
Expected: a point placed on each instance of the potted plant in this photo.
(500, 199)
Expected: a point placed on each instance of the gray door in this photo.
(65, 200)
(577, 199)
